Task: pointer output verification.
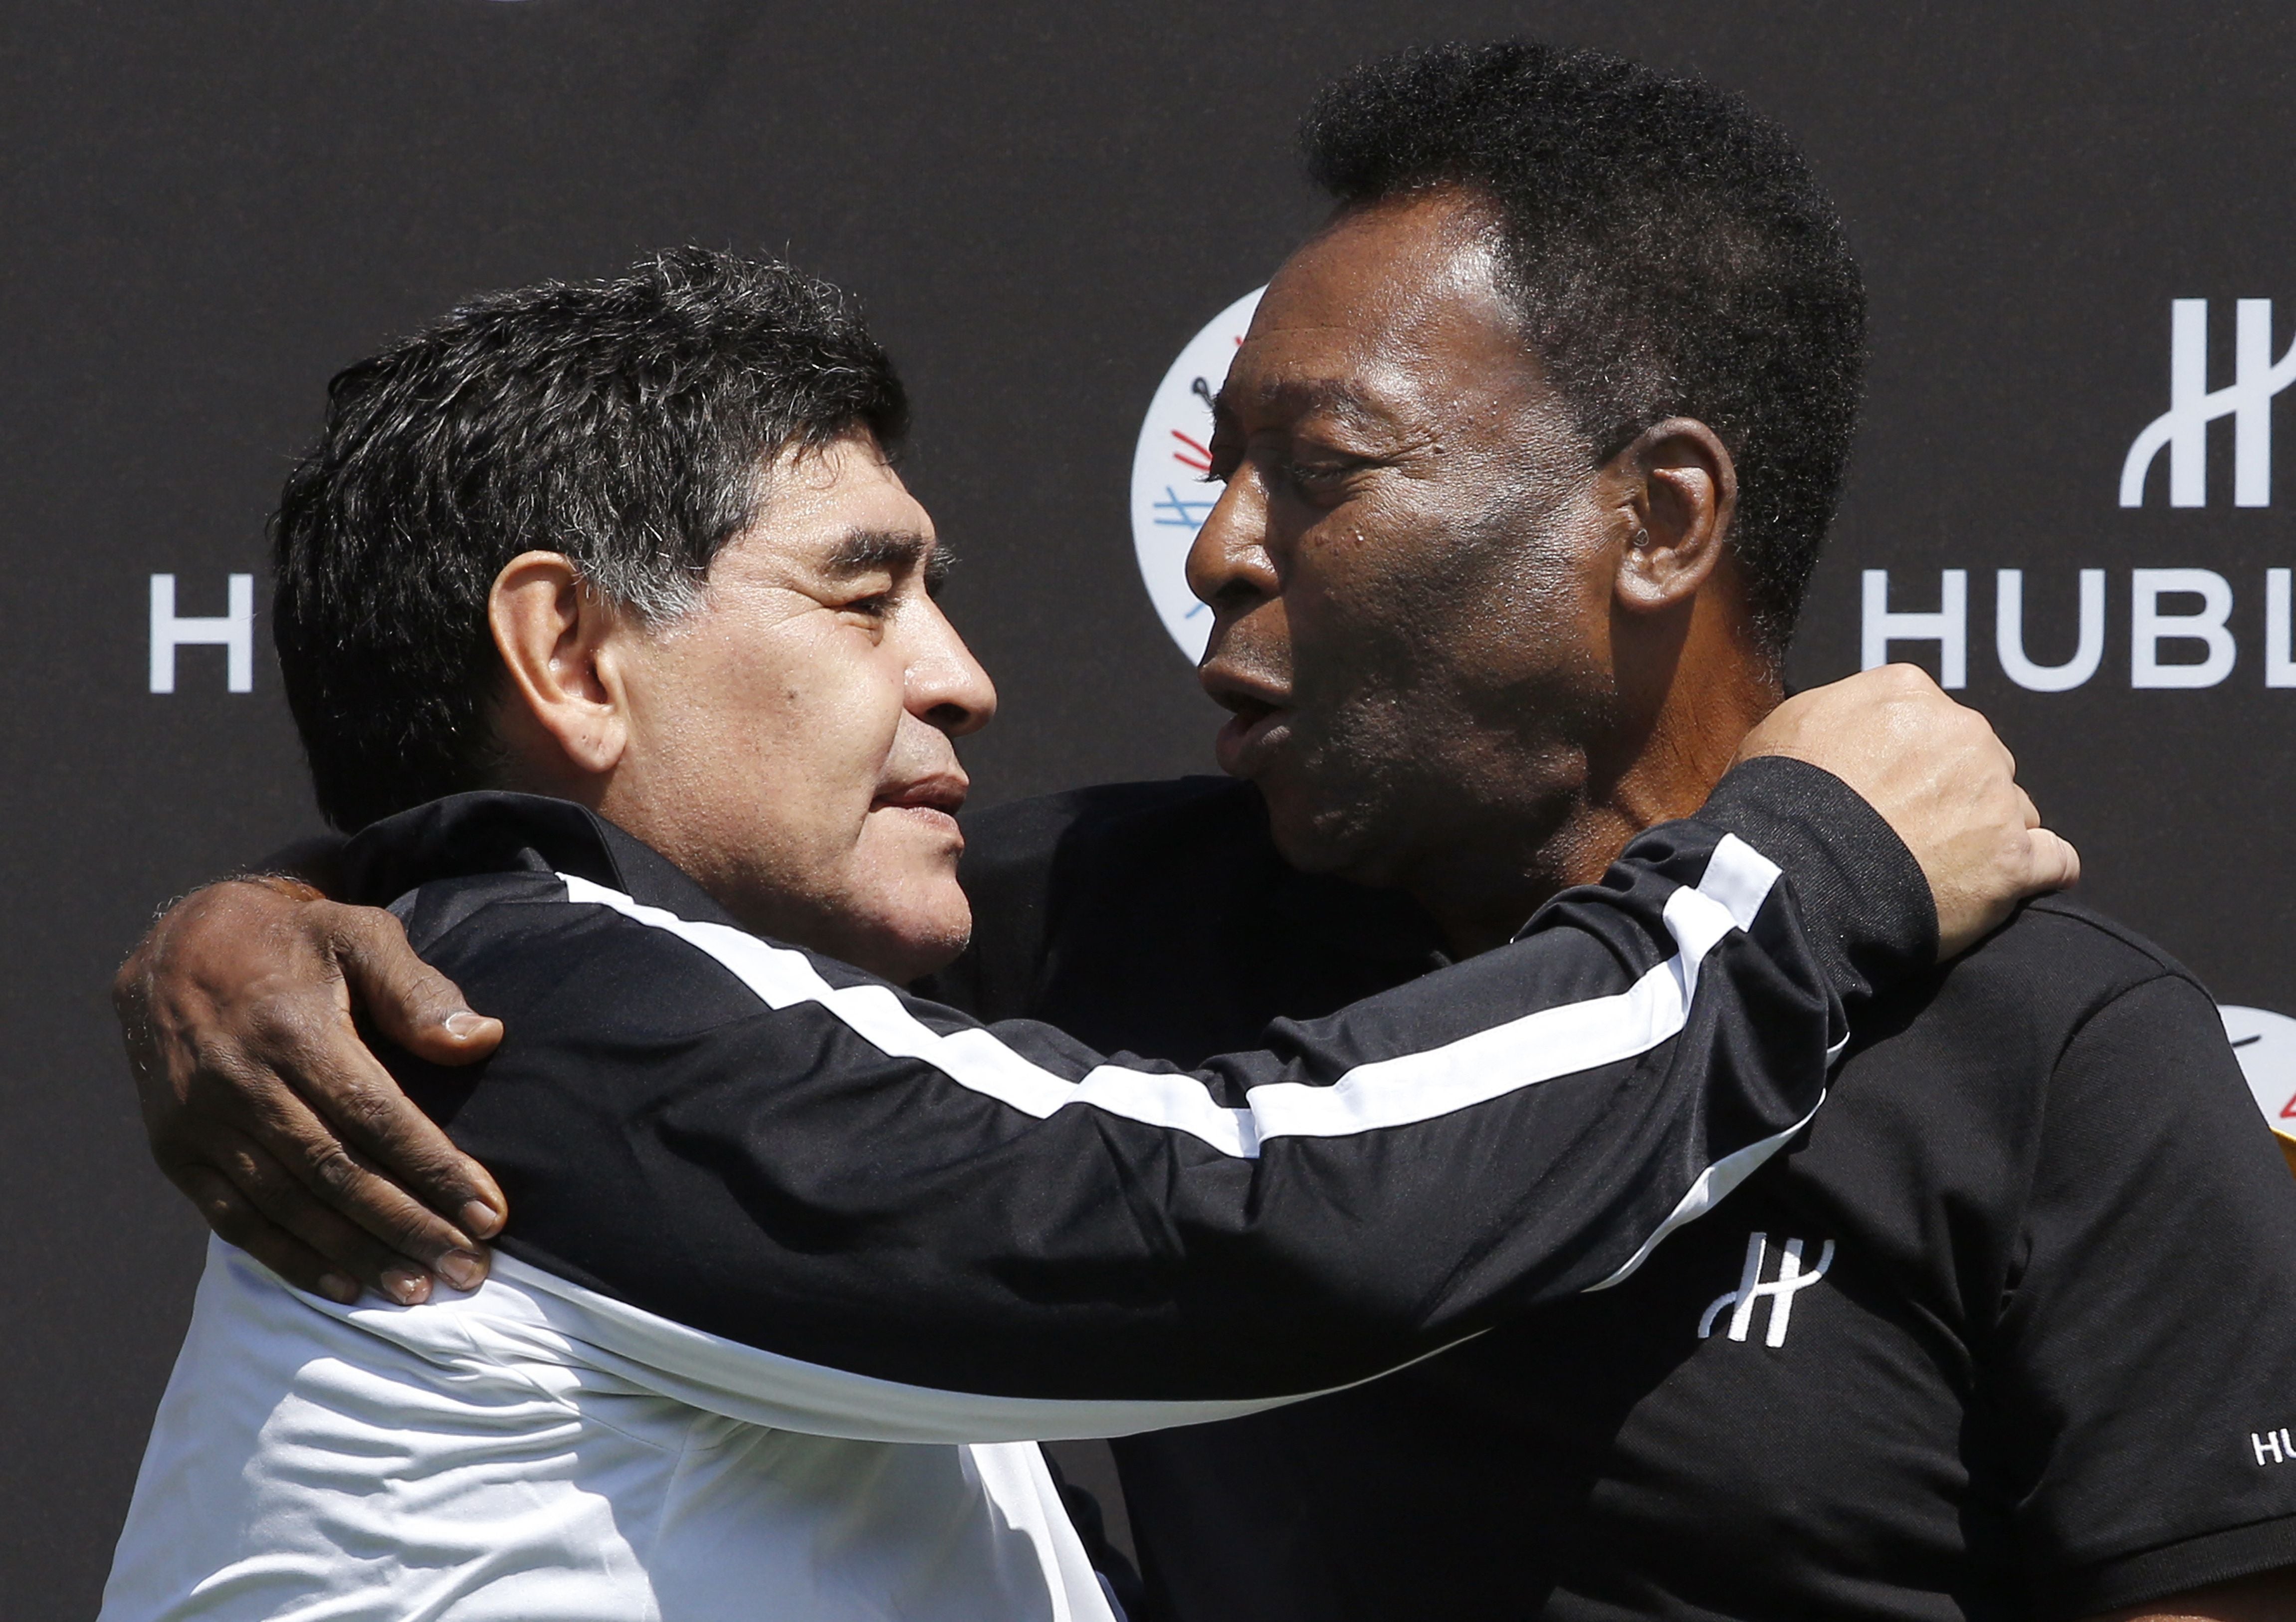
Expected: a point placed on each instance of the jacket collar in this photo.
(468, 835)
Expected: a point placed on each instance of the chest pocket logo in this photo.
(1779, 1292)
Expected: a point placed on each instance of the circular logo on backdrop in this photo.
(1169, 497)
(2265, 1043)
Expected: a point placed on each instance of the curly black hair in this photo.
(624, 423)
(1668, 249)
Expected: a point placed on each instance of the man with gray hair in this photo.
(610, 629)
(1529, 455)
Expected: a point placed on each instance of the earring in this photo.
(1642, 539)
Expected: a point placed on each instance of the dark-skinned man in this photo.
(1529, 454)
(806, 1265)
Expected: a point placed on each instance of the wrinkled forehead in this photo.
(1388, 304)
(850, 477)
(812, 502)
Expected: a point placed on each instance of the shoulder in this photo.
(471, 908)
(2147, 1042)
(2000, 1021)
(561, 958)
(2058, 963)
(2058, 924)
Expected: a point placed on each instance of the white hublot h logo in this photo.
(233, 631)
(2184, 426)
(1780, 1291)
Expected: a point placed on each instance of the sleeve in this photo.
(778, 1150)
(2150, 1333)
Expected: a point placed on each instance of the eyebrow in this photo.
(860, 552)
(1340, 399)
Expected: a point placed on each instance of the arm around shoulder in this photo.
(255, 1088)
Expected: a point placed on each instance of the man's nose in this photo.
(1230, 568)
(946, 687)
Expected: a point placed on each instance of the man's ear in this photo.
(1680, 491)
(565, 715)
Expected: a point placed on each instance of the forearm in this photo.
(260, 1092)
(883, 1187)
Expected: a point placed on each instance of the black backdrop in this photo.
(208, 207)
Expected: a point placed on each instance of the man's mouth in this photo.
(933, 801)
(1259, 722)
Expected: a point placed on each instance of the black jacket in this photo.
(765, 1144)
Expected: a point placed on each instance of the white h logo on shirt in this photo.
(1780, 1291)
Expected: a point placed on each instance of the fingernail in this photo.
(482, 1219)
(408, 1287)
(463, 1025)
(335, 1287)
(462, 1269)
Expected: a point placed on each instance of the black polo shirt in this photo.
(2011, 1330)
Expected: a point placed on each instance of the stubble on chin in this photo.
(1331, 809)
(903, 914)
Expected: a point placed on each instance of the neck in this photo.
(1639, 771)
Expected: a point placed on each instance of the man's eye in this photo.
(876, 606)
(1316, 479)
